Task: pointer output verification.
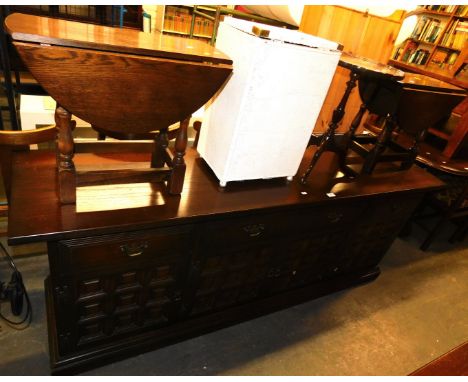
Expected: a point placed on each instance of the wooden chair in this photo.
(11, 141)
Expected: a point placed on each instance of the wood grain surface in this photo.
(121, 92)
(45, 30)
(36, 214)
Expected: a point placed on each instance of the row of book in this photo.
(462, 10)
(179, 20)
(440, 8)
(418, 57)
(443, 58)
(427, 29)
(456, 35)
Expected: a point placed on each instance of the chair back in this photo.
(11, 141)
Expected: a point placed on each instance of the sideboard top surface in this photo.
(36, 215)
(46, 30)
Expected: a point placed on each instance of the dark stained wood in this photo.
(101, 177)
(45, 30)
(428, 155)
(201, 195)
(129, 278)
(126, 82)
(99, 147)
(19, 140)
(183, 330)
(453, 363)
(171, 133)
(459, 137)
(29, 137)
(120, 92)
(65, 151)
(422, 82)
(178, 164)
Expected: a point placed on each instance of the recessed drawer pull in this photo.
(334, 217)
(254, 230)
(134, 249)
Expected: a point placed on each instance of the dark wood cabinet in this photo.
(125, 281)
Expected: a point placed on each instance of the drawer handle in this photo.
(334, 217)
(134, 249)
(254, 230)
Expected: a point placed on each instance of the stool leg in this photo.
(176, 181)
(348, 137)
(197, 128)
(158, 157)
(328, 138)
(65, 151)
(382, 141)
(413, 152)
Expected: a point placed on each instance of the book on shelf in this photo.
(407, 48)
(456, 35)
(419, 57)
(427, 29)
(462, 10)
(179, 20)
(440, 8)
(444, 59)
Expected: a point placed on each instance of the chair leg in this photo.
(65, 151)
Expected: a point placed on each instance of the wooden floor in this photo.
(454, 363)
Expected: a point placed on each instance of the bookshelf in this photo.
(178, 20)
(201, 21)
(437, 45)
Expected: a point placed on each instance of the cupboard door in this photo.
(101, 301)
(372, 236)
(279, 252)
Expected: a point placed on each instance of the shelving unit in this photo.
(178, 19)
(201, 21)
(437, 46)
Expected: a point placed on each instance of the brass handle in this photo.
(133, 249)
(254, 230)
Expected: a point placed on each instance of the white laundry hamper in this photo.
(259, 124)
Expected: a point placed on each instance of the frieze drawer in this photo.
(126, 249)
(258, 227)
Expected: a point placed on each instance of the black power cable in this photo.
(16, 292)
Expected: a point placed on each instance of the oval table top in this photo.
(46, 30)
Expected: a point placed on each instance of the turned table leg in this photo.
(65, 150)
(382, 141)
(159, 155)
(176, 181)
(328, 139)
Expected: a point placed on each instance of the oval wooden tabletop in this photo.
(420, 81)
(46, 30)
